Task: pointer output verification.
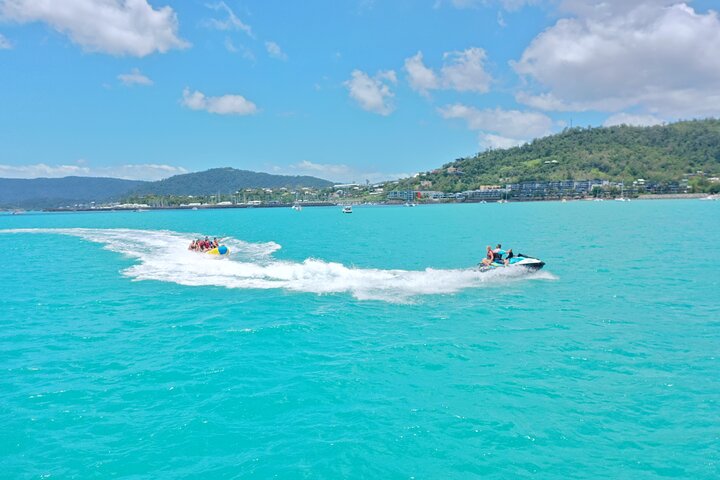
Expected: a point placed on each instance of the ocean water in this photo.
(364, 345)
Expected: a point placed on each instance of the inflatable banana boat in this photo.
(220, 250)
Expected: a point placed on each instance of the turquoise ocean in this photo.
(362, 346)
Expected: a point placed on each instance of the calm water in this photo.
(358, 346)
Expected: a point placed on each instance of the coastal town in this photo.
(387, 193)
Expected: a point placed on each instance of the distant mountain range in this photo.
(225, 180)
(39, 193)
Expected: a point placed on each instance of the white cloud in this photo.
(549, 102)
(146, 171)
(617, 55)
(4, 43)
(609, 8)
(491, 141)
(501, 19)
(230, 46)
(388, 75)
(275, 51)
(513, 5)
(507, 123)
(466, 71)
(338, 172)
(223, 105)
(328, 169)
(462, 71)
(134, 78)
(500, 128)
(421, 78)
(130, 27)
(509, 5)
(231, 22)
(630, 119)
(244, 51)
(372, 94)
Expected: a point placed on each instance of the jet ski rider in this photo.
(496, 256)
(489, 257)
(498, 253)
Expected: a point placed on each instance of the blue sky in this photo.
(344, 90)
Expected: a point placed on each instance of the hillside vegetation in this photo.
(224, 181)
(621, 153)
(57, 192)
(39, 193)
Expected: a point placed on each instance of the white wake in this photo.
(163, 256)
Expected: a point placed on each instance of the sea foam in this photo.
(163, 256)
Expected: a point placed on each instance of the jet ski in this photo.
(518, 261)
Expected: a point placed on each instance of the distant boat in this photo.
(296, 207)
(622, 194)
(347, 209)
(410, 204)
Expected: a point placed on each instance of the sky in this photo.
(349, 90)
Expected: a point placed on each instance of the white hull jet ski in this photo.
(518, 261)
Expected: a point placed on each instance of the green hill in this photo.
(621, 153)
(224, 181)
(58, 192)
(39, 193)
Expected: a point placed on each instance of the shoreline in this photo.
(680, 196)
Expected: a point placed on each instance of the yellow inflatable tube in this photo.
(221, 250)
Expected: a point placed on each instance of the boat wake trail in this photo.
(163, 256)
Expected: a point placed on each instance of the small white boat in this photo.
(347, 209)
(622, 198)
(296, 207)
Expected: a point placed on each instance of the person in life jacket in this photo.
(489, 257)
(510, 255)
(498, 253)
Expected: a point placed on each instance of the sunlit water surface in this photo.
(363, 346)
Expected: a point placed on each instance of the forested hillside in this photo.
(39, 193)
(56, 192)
(225, 180)
(621, 153)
